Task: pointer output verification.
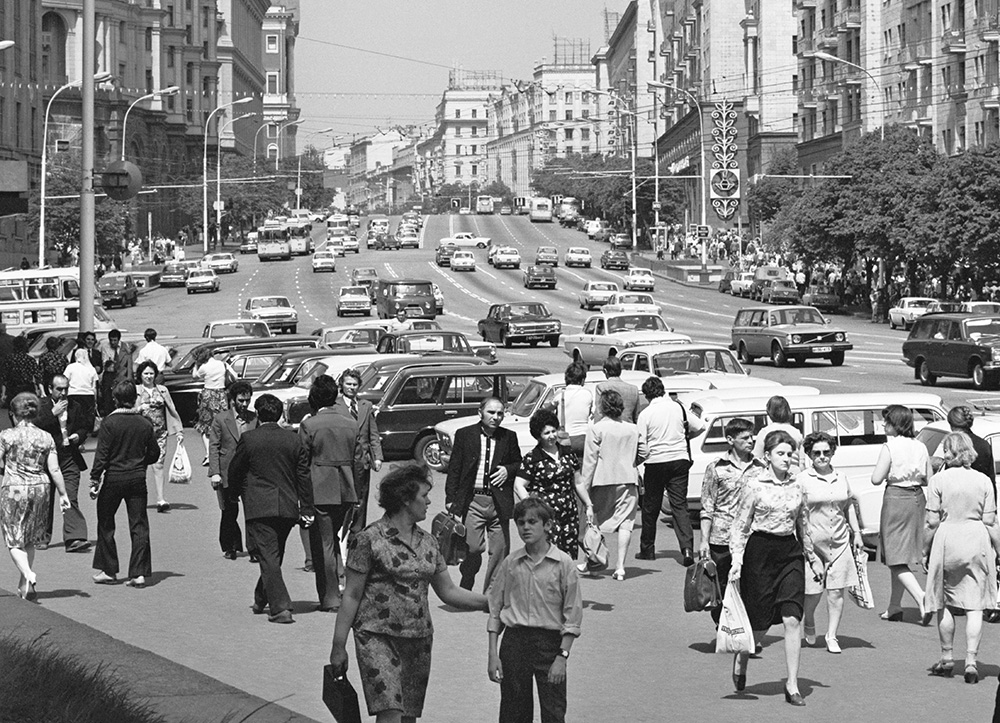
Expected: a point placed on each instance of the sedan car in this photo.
(249, 244)
(944, 307)
(276, 311)
(335, 246)
(442, 257)
(463, 261)
(408, 238)
(525, 323)
(547, 255)
(741, 283)
(632, 301)
(221, 263)
(712, 362)
(955, 345)
(324, 261)
(507, 257)
(612, 259)
(118, 289)
(639, 280)
(201, 280)
(505, 210)
(822, 297)
(536, 275)
(578, 256)
(793, 334)
(354, 300)
(620, 242)
(350, 243)
(605, 335)
(991, 308)
(777, 291)
(908, 310)
(597, 293)
(229, 328)
(173, 275)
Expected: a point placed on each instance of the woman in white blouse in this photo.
(577, 407)
(82, 392)
(770, 544)
(212, 398)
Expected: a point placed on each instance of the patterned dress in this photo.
(152, 404)
(551, 480)
(24, 490)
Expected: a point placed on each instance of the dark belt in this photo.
(480, 491)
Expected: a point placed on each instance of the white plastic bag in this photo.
(735, 634)
(180, 466)
(861, 593)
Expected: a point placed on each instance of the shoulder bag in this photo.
(450, 535)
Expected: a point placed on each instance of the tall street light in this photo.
(5, 44)
(834, 59)
(619, 99)
(218, 173)
(204, 170)
(98, 78)
(165, 92)
(256, 135)
(298, 182)
(701, 151)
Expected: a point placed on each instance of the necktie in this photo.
(486, 463)
(354, 409)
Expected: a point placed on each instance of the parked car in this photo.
(378, 375)
(276, 311)
(354, 300)
(547, 255)
(612, 259)
(201, 280)
(249, 244)
(594, 227)
(939, 306)
(962, 345)
(324, 261)
(605, 335)
(118, 289)
(506, 257)
(536, 275)
(990, 308)
(793, 334)
(639, 279)
(520, 322)
(221, 263)
(620, 242)
(463, 261)
(425, 343)
(908, 310)
(505, 210)
(632, 301)
(740, 284)
(578, 256)
(335, 337)
(597, 293)
(763, 273)
(779, 291)
(442, 257)
(822, 297)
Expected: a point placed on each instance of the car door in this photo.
(757, 343)
(937, 347)
(596, 343)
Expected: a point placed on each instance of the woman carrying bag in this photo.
(155, 404)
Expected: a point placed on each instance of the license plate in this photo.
(534, 337)
(822, 349)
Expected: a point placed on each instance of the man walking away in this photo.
(629, 394)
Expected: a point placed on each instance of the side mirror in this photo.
(827, 321)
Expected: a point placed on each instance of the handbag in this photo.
(180, 466)
(701, 587)
(450, 535)
(339, 695)
(593, 546)
(735, 634)
(861, 593)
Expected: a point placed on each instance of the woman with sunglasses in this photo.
(832, 522)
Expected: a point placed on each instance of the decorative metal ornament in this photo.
(724, 177)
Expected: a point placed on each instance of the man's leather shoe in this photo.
(284, 618)
(41, 546)
(258, 609)
(688, 554)
(308, 567)
(329, 608)
(645, 555)
(78, 546)
(229, 554)
(254, 559)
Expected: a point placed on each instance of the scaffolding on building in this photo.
(571, 51)
(462, 79)
(611, 19)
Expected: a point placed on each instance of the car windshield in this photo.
(411, 290)
(365, 274)
(309, 373)
(698, 361)
(978, 328)
(268, 301)
(113, 282)
(634, 299)
(528, 310)
(798, 316)
(236, 329)
(354, 291)
(527, 400)
(585, 252)
(641, 272)
(322, 255)
(984, 307)
(947, 306)
(280, 371)
(784, 285)
(434, 342)
(546, 250)
(637, 322)
(198, 274)
(173, 269)
(822, 290)
(919, 303)
(599, 286)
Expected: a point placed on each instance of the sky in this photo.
(357, 92)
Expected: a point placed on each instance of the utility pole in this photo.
(87, 207)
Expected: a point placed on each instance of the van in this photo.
(762, 274)
(854, 420)
(414, 296)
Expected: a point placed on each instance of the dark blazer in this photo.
(331, 440)
(368, 436)
(464, 462)
(270, 468)
(75, 424)
(120, 370)
(223, 436)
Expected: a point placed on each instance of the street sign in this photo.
(219, 206)
(456, 202)
(121, 180)
(693, 229)
(704, 231)
(657, 205)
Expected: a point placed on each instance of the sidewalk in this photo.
(177, 693)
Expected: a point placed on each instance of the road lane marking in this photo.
(821, 379)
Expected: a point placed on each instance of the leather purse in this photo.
(339, 695)
(450, 535)
(701, 587)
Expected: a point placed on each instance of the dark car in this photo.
(525, 323)
(955, 345)
(778, 291)
(794, 334)
(539, 276)
(380, 373)
(173, 275)
(726, 282)
(620, 242)
(387, 242)
(614, 259)
(822, 297)
(547, 255)
(442, 257)
(431, 342)
(118, 289)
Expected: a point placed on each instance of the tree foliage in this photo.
(766, 197)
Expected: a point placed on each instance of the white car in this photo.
(230, 328)
(201, 280)
(354, 300)
(334, 246)
(505, 256)
(578, 256)
(466, 240)
(350, 243)
(275, 311)
(908, 310)
(463, 261)
(632, 301)
(223, 263)
(610, 334)
(639, 279)
(595, 226)
(597, 293)
(324, 260)
(740, 286)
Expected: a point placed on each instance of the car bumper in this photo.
(816, 350)
(324, 267)
(279, 323)
(200, 287)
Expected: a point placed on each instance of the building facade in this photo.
(280, 29)
(369, 180)
(240, 53)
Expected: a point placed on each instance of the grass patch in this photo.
(42, 685)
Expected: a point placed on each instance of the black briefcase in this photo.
(339, 695)
(450, 535)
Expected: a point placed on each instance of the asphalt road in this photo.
(641, 658)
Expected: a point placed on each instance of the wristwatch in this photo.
(563, 653)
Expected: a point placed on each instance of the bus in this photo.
(300, 238)
(45, 298)
(272, 241)
(484, 204)
(337, 225)
(521, 205)
(569, 206)
(540, 210)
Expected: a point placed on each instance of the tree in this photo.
(247, 200)
(498, 189)
(766, 197)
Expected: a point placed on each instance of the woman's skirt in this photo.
(24, 513)
(772, 581)
(210, 403)
(902, 525)
(839, 573)
(614, 507)
(394, 671)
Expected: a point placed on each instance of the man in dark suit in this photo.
(69, 429)
(369, 442)
(117, 359)
(479, 489)
(223, 436)
(270, 468)
(331, 441)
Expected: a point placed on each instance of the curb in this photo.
(177, 693)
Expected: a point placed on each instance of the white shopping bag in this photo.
(180, 466)
(735, 634)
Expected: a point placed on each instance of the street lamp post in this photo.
(5, 44)
(218, 173)
(701, 150)
(204, 169)
(165, 92)
(298, 181)
(263, 125)
(98, 78)
(834, 59)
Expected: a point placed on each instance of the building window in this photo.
(475, 170)
(272, 130)
(569, 97)
(170, 16)
(569, 134)
(204, 17)
(272, 43)
(458, 149)
(189, 73)
(585, 113)
(584, 134)
(171, 106)
(474, 112)
(552, 115)
(585, 96)
(584, 150)
(121, 73)
(474, 150)
(149, 81)
(187, 4)
(17, 125)
(189, 109)
(170, 56)
(149, 38)
(272, 83)
(475, 130)
(458, 131)
(121, 31)
(458, 170)
(458, 112)
(569, 115)
(187, 34)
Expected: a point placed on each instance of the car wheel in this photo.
(979, 376)
(505, 340)
(778, 355)
(892, 323)
(292, 329)
(190, 291)
(837, 358)
(577, 356)
(744, 355)
(554, 341)
(428, 451)
(924, 371)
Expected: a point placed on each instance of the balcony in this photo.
(692, 50)
(990, 97)
(827, 38)
(848, 19)
(989, 28)
(804, 4)
(806, 47)
(953, 41)
(807, 98)
(958, 92)
(914, 55)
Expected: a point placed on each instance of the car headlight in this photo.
(796, 339)
(996, 353)
(840, 337)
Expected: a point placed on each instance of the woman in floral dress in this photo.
(29, 463)
(155, 404)
(547, 472)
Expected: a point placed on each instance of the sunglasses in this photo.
(821, 453)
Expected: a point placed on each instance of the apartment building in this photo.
(369, 166)
(240, 54)
(281, 26)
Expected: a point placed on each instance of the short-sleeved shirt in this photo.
(394, 601)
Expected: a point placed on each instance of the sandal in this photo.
(618, 575)
(971, 673)
(943, 668)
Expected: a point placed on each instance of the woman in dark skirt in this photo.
(770, 544)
